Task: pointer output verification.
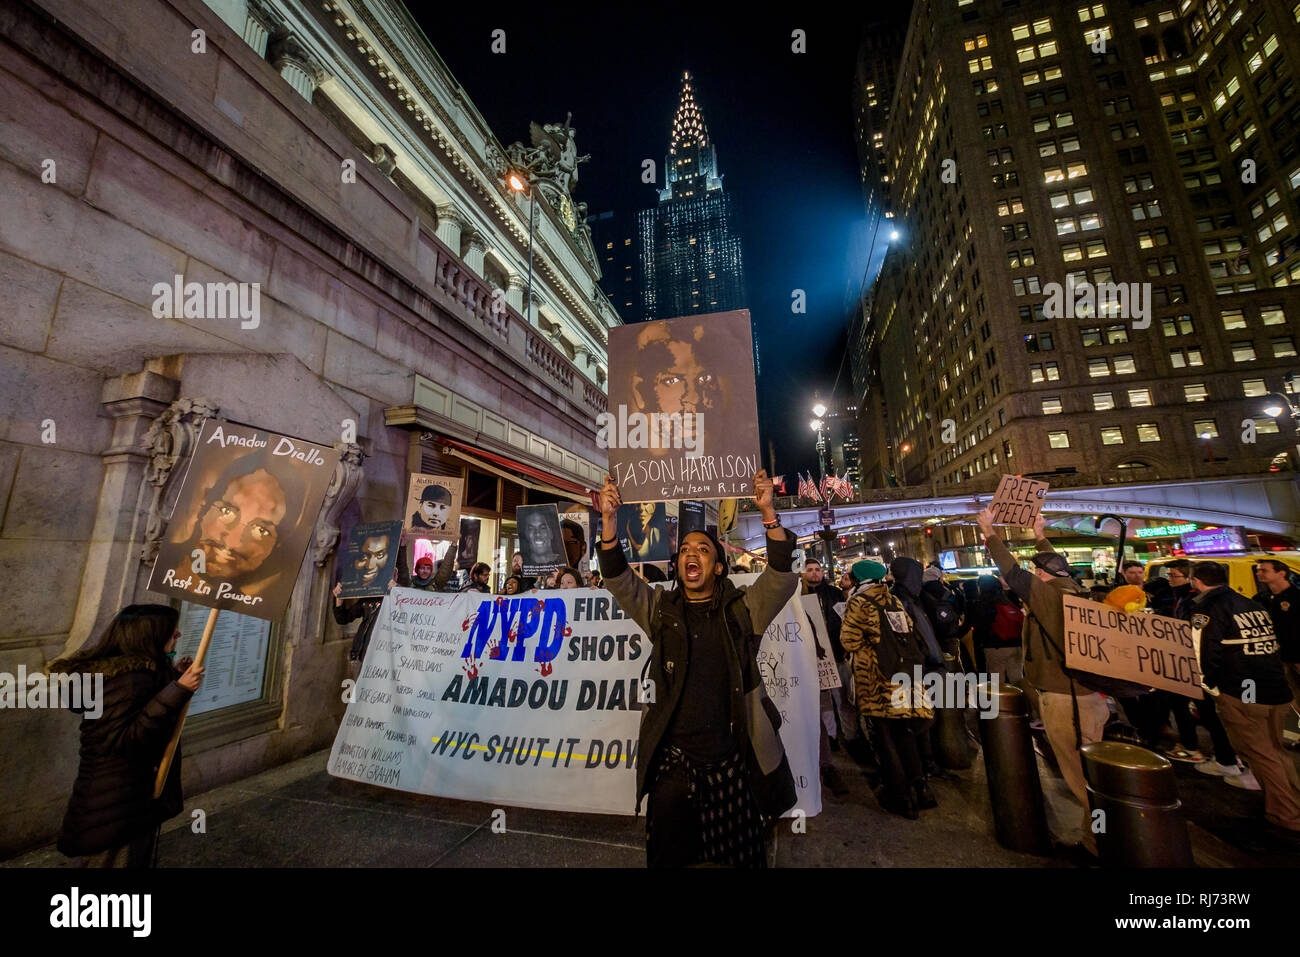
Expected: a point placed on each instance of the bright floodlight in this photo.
(893, 234)
(816, 425)
(1205, 435)
(819, 410)
(1273, 410)
(516, 183)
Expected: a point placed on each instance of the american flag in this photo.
(807, 488)
(825, 488)
(841, 487)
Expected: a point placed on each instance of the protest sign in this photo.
(467, 550)
(541, 542)
(1018, 501)
(828, 676)
(643, 532)
(682, 419)
(1149, 650)
(575, 527)
(243, 517)
(433, 507)
(691, 515)
(368, 559)
(535, 701)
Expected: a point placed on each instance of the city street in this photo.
(299, 816)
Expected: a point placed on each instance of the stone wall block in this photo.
(99, 331)
(313, 291)
(366, 371)
(140, 193)
(48, 227)
(53, 496)
(30, 293)
(36, 130)
(33, 389)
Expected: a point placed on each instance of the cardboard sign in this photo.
(828, 676)
(1149, 650)
(367, 563)
(1018, 501)
(433, 507)
(682, 420)
(244, 514)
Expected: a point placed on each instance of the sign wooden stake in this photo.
(170, 753)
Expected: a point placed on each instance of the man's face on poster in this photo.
(685, 385)
(573, 545)
(240, 528)
(647, 513)
(434, 513)
(373, 557)
(538, 535)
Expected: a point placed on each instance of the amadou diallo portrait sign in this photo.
(243, 517)
(682, 420)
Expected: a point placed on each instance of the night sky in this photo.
(782, 124)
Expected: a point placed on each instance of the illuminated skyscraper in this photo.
(690, 251)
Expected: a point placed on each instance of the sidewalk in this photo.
(298, 815)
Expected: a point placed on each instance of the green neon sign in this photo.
(1163, 531)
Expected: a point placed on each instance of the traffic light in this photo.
(929, 530)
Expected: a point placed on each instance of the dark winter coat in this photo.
(1235, 644)
(112, 798)
(755, 721)
(367, 609)
(908, 577)
(1284, 609)
(829, 596)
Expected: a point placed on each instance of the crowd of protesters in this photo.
(888, 621)
(716, 777)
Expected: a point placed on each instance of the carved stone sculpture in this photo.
(170, 439)
(342, 488)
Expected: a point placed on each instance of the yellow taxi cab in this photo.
(1241, 567)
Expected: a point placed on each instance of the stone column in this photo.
(295, 65)
(449, 227)
(515, 293)
(475, 251)
(259, 24)
(113, 571)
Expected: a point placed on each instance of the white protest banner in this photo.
(1149, 650)
(788, 662)
(1018, 501)
(828, 676)
(534, 701)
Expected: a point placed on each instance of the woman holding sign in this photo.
(112, 819)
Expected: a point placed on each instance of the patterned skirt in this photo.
(731, 832)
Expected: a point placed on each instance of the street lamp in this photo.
(1278, 404)
(520, 183)
(818, 425)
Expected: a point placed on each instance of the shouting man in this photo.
(709, 756)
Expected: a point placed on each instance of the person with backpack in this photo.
(881, 640)
(1001, 629)
(1072, 715)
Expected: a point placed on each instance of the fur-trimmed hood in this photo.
(108, 667)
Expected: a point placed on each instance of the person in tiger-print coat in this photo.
(891, 715)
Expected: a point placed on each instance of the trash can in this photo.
(1015, 793)
(948, 736)
(1142, 822)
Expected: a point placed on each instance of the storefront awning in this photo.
(515, 471)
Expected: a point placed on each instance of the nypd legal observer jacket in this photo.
(1236, 648)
